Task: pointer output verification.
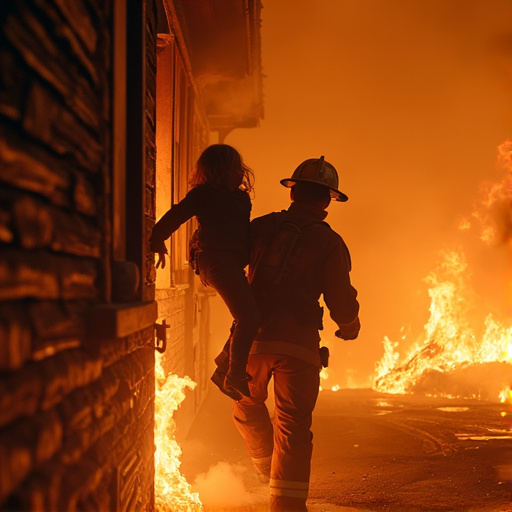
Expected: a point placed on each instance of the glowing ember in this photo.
(172, 491)
(506, 396)
(324, 375)
(451, 341)
(506, 399)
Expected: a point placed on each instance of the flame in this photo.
(172, 491)
(324, 375)
(506, 400)
(492, 215)
(451, 341)
(506, 396)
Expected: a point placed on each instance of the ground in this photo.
(372, 452)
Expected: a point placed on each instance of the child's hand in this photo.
(160, 249)
(161, 259)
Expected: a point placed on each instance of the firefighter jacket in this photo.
(320, 266)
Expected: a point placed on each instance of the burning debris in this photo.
(461, 352)
(450, 344)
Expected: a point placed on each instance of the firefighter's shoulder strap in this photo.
(272, 264)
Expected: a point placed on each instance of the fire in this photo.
(451, 341)
(172, 491)
(324, 375)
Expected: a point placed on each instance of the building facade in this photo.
(104, 107)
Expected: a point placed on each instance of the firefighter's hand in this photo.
(349, 331)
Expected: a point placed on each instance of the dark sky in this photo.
(409, 100)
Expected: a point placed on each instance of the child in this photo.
(220, 200)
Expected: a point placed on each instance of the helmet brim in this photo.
(335, 193)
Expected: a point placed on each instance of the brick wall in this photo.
(185, 310)
(77, 307)
(76, 374)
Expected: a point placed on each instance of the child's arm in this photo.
(169, 223)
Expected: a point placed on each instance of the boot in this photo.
(222, 362)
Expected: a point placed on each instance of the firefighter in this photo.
(287, 344)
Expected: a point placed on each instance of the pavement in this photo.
(372, 452)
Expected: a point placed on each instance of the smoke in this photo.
(223, 487)
(409, 101)
(487, 236)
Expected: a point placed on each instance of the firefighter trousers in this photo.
(288, 438)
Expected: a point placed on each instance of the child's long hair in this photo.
(221, 166)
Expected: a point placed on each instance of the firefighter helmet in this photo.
(317, 170)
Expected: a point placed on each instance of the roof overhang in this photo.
(223, 42)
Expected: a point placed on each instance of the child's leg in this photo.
(231, 284)
(222, 361)
(246, 326)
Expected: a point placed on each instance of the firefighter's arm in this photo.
(349, 331)
(339, 294)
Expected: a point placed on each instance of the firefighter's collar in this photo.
(307, 210)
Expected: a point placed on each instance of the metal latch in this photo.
(161, 336)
